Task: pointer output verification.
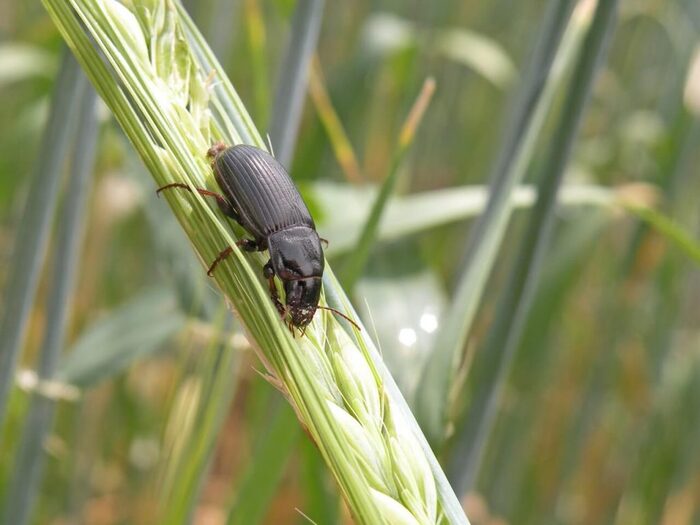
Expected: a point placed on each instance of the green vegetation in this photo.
(510, 195)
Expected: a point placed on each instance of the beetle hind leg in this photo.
(222, 255)
(224, 205)
(248, 245)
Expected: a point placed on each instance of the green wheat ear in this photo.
(155, 72)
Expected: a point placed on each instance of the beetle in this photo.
(258, 193)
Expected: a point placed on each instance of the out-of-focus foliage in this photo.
(600, 415)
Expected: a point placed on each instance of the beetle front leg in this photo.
(269, 274)
(224, 205)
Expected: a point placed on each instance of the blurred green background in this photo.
(162, 415)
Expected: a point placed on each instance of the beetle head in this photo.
(302, 299)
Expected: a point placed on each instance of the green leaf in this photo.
(277, 439)
(346, 206)
(477, 52)
(322, 503)
(386, 33)
(504, 336)
(360, 254)
(35, 225)
(670, 230)
(291, 86)
(29, 464)
(133, 331)
(520, 135)
(215, 381)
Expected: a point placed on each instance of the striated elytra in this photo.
(258, 193)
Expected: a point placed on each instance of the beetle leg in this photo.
(268, 271)
(324, 241)
(276, 298)
(248, 245)
(224, 205)
(224, 253)
(269, 274)
(226, 208)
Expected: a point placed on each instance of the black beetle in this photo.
(259, 195)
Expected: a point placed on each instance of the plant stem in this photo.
(525, 122)
(293, 78)
(507, 328)
(31, 457)
(358, 260)
(35, 224)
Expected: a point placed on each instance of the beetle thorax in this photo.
(296, 253)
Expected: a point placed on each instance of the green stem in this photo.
(291, 86)
(503, 339)
(35, 225)
(521, 132)
(360, 255)
(31, 457)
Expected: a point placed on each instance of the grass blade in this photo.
(266, 467)
(670, 230)
(387, 34)
(525, 122)
(479, 53)
(192, 450)
(355, 265)
(132, 331)
(30, 459)
(223, 26)
(505, 333)
(257, 47)
(340, 142)
(321, 499)
(34, 227)
(291, 86)
(420, 212)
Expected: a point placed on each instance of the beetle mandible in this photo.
(258, 193)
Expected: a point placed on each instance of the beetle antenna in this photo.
(341, 314)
